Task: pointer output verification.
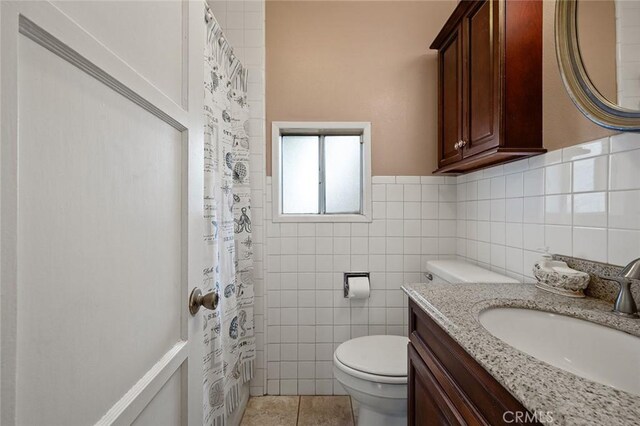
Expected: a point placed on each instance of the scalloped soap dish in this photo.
(556, 277)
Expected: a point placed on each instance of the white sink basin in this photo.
(586, 349)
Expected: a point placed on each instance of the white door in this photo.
(100, 212)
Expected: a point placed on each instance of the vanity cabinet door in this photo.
(481, 74)
(450, 99)
(428, 404)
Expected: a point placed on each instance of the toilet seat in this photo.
(392, 380)
(379, 359)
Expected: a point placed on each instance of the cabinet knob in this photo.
(456, 146)
(462, 144)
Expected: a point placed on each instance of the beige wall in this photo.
(359, 61)
(369, 61)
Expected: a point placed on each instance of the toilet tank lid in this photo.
(378, 355)
(458, 271)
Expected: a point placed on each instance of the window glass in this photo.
(343, 174)
(300, 174)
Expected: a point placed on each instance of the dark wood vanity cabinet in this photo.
(447, 386)
(428, 404)
(489, 84)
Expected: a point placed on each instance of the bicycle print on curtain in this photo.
(229, 331)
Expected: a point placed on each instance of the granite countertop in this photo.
(537, 385)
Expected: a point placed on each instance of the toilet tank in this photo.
(458, 271)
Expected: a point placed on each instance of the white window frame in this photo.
(283, 127)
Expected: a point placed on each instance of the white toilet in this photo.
(373, 370)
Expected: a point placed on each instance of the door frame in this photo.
(43, 23)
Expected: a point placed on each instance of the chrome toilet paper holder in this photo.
(348, 275)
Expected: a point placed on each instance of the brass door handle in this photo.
(196, 299)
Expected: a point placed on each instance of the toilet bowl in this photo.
(373, 371)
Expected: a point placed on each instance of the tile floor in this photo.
(299, 410)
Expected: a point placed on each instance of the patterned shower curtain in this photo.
(229, 331)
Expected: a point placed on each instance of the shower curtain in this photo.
(228, 331)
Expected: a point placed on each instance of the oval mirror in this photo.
(598, 51)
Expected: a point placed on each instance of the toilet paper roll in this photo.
(358, 287)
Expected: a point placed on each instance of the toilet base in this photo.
(370, 417)
(379, 404)
(381, 399)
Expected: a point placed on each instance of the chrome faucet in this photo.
(624, 304)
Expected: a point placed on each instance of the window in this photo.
(321, 172)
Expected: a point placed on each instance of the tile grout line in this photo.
(298, 415)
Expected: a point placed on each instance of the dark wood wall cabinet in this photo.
(489, 84)
(447, 386)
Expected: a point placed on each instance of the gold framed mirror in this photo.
(613, 111)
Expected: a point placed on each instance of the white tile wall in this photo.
(628, 53)
(581, 201)
(243, 25)
(414, 219)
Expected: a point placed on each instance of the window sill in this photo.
(329, 218)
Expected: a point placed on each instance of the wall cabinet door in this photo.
(450, 99)
(428, 404)
(482, 77)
